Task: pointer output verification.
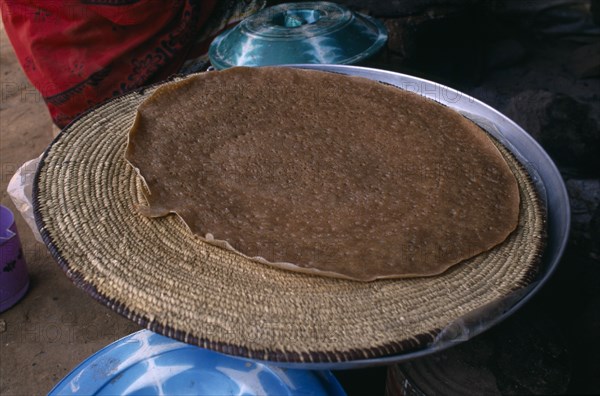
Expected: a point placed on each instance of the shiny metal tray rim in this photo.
(541, 167)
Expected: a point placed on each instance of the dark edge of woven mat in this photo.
(415, 343)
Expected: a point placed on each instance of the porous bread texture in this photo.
(323, 173)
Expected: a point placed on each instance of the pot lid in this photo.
(311, 32)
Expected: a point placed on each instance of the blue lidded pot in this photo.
(311, 32)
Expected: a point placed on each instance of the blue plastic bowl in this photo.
(145, 363)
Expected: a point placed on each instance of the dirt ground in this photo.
(56, 325)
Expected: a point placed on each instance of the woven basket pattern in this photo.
(158, 274)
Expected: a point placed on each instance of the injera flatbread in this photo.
(323, 173)
(157, 273)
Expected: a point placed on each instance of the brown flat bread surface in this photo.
(324, 173)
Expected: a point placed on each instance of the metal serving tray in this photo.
(544, 174)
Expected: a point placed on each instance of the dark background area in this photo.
(538, 63)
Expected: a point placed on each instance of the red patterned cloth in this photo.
(79, 53)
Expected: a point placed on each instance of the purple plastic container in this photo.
(14, 279)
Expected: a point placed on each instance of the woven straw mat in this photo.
(156, 273)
